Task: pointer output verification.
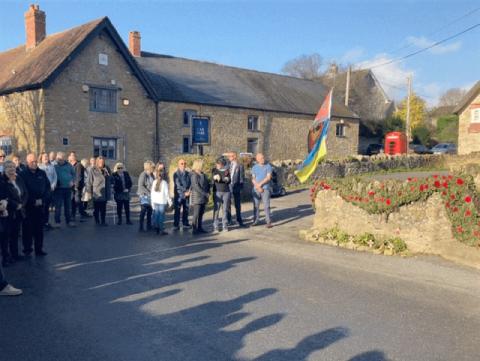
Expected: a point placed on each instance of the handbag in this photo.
(86, 197)
(145, 200)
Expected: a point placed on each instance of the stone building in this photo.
(84, 90)
(468, 111)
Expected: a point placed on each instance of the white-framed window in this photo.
(252, 123)
(102, 59)
(340, 130)
(187, 115)
(6, 144)
(252, 145)
(105, 147)
(103, 100)
(475, 115)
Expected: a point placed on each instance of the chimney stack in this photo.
(35, 26)
(134, 44)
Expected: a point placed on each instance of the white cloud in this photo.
(352, 55)
(423, 42)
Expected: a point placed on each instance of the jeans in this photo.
(198, 210)
(221, 200)
(123, 204)
(99, 211)
(32, 229)
(237, 200)
(180, 204)
(146, 210)
(265, 198)
(159, 216)
(14, 224)
(62, 196)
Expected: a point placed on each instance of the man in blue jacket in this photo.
(181, 179)
(63, 192)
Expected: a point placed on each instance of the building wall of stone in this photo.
(22, 119)
(280, 135)
(68, 115)
(468, 132)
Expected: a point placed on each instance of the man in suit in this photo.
(237, 172)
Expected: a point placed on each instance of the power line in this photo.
(439, 29)
(396, 60)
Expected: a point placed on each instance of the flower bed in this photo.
(459, 195)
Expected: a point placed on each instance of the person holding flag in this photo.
(318, 139)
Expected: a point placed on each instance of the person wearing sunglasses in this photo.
(181, 191)
(122, 183)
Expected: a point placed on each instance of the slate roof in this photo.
(23, 70)
(190, 81)
(366, 97)
(468, 98)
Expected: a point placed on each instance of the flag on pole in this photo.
(318, 149)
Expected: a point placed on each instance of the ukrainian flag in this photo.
(319, 150)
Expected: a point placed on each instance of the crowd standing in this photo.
(29, 190)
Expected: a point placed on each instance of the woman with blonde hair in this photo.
(160, 199)
(98, 186)
(144, 189)
(200, 191)
(122, 183)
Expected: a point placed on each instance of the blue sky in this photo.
(263, 35)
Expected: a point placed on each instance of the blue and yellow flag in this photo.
(317, 140)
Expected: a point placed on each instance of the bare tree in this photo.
(304, 66)
(451, 97)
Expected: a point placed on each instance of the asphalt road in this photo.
(112, 294)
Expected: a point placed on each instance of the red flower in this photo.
(371, 193)
(435, 176)
(437, 184)
(459, 229)
(422, 188)
(452, 196)
(468, 213)
(468, 199)
(388, 201)
(459, 181)
(450, 176)
(447, 205)
(445, 184)
(455, 209)
(444, 193)
(409, 179)
(412, 188)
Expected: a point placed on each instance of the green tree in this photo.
(447, 129)
(422, 135)
(417, 111)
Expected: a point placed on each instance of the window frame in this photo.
(94, 101)
(249, 140)
(475, 113)
(255, 122)
(101, 147)
(189, 147)
(6, 144)
(187, 115)
(340, 134)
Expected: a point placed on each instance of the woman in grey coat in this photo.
(99, 187)
(200, 191)
(145, 181)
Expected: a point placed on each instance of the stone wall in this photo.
(22, 118)
(468, 132)
(68, 115)
(280, 135)
(424, 226)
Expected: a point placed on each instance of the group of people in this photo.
(28, 192)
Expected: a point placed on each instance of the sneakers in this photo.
(9, 290)
(71, 224)
(55, 225)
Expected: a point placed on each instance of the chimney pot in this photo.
(35, 26)
(134, 43)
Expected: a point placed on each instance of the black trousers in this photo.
(146, 210)
(32, 229)
(4, 240)
(123, 204)
(77, 203)
(237, 201)
(100, 211)
(198, 210)
(46, 208)
(14, 225)
(180, 205)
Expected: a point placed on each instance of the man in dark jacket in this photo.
(38, 186)
(62, 195)
(237, 173)
(78, 185)
(182, 182)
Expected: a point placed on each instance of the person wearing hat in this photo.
(221, 193)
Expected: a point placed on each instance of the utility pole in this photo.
(409, 96)
(347, 90)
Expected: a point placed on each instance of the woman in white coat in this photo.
(160, 200)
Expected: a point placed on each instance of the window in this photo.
(103, 100)
(252, 145)
(476, 115)
(6, 145)
(65, 141)
(105, 147)
(187, 115)
(102, 59)
(252, 123)
(186, 144)
(340, 130)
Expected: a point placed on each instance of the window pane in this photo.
(111, 154)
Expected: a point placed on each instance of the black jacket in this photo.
(37, 184)
(182, 183)
(15, 199)
(79, 176)
(200, 188)
(221, 185)
(118, 184)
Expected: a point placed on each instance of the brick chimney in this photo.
(35, 26)
(134, 44)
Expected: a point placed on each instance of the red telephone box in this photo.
(395, 143)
